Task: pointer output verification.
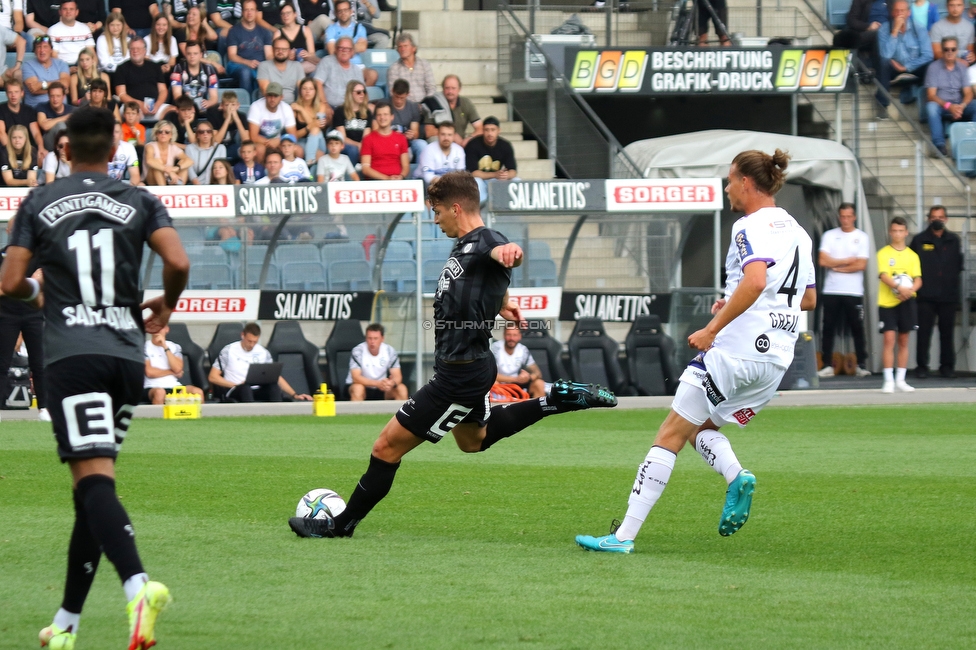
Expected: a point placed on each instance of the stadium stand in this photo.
(303, 252)
(650, 357)
(300, 356)
(546, 351)
(271, 283)
(193, 356)
(349, 275)
(395, 251)
(344, 251)
(210, 276)
(431, 271)
(304, 276)
(399, 275)
(593, 357)
(346, 335)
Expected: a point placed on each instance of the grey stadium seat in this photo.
(593, 356)
(650, 357)
(399, 275)
(343, 251)
(547, 352)
(345, 335)
(304, 276)
(210, 276)
(225, 334)
(271, 283)
(300, 356)
(286, 253)
(350, 276)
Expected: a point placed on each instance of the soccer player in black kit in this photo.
(471, 291)
(86, 233)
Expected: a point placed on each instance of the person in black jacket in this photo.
(861, 33)
(940, 253)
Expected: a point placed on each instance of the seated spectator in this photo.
(925, 13)
(101, 99)
(230, 370)
(195, 78)
(18, 160)
(92, 13)
(449, 106)
(222, 173)
(335, 165)
(248, 44)
(957, 26)
(56, 163)
(133, 131)
(311, 118)
(142, 81)
(183, 115)
(203, 152)
(352, 119)
(52, 115)
(269, 13)
(112, 46)
(164, 369)
(126, 160)
(231, 122)
(86, 72)
(39, 16)
(366, 13)
(221, 15)
(15, 112)
(385, 152)
(161, 45)
(905, 51)
(949, 94)
(301, 45)
(318, 15)
(293, 168)
(444, 156)
(346, 27)
(335, 72)
(864, 19)
(416, 71)
(68, 36)
(268, 119)
(374, 369)
(272, 168)
(249, 171)
(199, 30)
(41, 71)
(139, 15)
(281, 70)
(166, 163)
(12, 19)
(10, 36)
(407, 117)
(516, 365)
(490, 157)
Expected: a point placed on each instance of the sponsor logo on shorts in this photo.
(743, 416)
(712, 392)
(762, 343)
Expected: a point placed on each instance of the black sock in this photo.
(83, 556)
(508, 419)
(109, 524)
(372, 487)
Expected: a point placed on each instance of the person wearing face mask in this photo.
(940, 253)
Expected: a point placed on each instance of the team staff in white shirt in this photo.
(374, 369)
(844, 254)
(447, 156)
(515, 363)
(233, 362)
(164, 368)
(746, 349)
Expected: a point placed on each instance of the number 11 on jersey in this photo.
(82, 243)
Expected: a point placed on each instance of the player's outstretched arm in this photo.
(176, 269)
(508, 255)
(746, 293)
(809, 301)
(510, 310)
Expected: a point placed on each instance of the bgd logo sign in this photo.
(609, 70)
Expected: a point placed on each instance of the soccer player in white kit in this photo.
(746, 349)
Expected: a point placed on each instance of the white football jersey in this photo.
(511, 364)
(373, 367)
(767, 331)
(158, 359)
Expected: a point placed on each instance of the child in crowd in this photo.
(293, 169)
(335, 165)
(132, 131)
(248, 171)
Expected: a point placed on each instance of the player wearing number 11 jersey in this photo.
(745, 349)
(86, 233)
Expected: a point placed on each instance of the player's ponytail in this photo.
(767, 172)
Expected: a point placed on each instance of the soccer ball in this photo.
(317, 504)
(902, 280)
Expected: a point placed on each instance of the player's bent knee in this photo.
(469, 437)
(357, 393)
(157, 396)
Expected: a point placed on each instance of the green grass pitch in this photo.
(862, 535)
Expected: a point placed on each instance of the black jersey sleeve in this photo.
(157, 216)
(491, 240)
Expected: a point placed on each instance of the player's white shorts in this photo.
(724, 389)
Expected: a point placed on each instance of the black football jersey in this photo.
(469, 294)
(87, 233)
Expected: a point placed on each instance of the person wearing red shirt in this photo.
(385, 154)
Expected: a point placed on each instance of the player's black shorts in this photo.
(456, 393)
(91, 398)
(903, 318)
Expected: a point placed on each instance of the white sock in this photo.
(134, 584)
(65, 620)
(716, 450)
(888, 374)
(900, 374)
(652, 478)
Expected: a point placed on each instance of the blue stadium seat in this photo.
(210, 276)
(205, 254)
(304, 276)
(395, 251)
(375, 93)
(400, 276)
(285, 253)
(542, 273)
(437, 249)
(837, 12)
(350, 275)
(271, 283)
(191, 234)
(380, 60)
(359, 231)
(432, 273)
(343, 251)
(962, 137)
(539, 250)
(242, 96)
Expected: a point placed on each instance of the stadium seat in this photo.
(437, 249)
(285, 253)
(193, 372)
(343, 251)
(396, 250)
(225, 334)
(191, 234)
(210, 277)
(539, 250)
(375, 93)
(541, 272)
(345, 335)
(242, 96)
(547, 352)
(271, 283)
(962, 137)
(156, 274)
(205, 254)
(304, 276)
(650, 357)
(350, 275)
(593, 356)
(300, 356)
(432, 273)
(837, 12)
(399, 275)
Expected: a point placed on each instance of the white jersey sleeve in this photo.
(767, 331)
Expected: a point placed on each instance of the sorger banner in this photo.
(376, 197)
(664, 194)
(213, 306)
(538, 302)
